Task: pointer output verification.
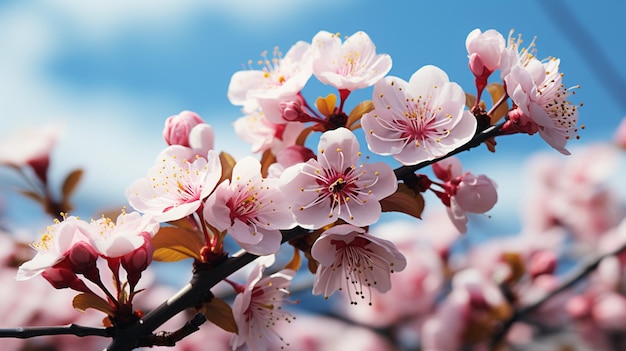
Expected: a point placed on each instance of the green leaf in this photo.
(82, 302)
(174, 244)
(404, 200)
(219, 313)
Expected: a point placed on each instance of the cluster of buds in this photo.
(72, 247)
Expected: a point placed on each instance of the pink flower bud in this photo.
(138, 260)
(82, 257)
(519, 122)
(292, 110)
(447, 169)
(40, 166)
(485, 51)
(542, 262)
(476, 194)
(178, 127)
(61, 276)
(477, 67)
(578, 306)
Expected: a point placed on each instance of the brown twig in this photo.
(70, 329)
(171, 338)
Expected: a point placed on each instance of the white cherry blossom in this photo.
(258, 307)
(280, 79)
(256, 129)
(352, 65)
(175, 186)
(252, 209)
(541, 100)
(334, 186)
(419, 120)
(55, 244)
(124, 235)
(350, 258)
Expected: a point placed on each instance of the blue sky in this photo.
(111, 72)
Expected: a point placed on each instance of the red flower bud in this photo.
(138, 260)
(82, 257)
(61, 276)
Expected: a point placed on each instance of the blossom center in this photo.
(421, 123)
(245, 206)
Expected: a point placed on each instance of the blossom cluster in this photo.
(314, 187)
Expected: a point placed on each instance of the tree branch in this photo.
(170, 339)
(574, 276)
(191, 295)
(70, 329)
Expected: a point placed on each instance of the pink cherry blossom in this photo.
(334, 187)
(30, 147)
(352, 65)
(125, 235)
(280, 79)
(175, 187)
(573, 193)
(256, 129)
(417, 288)
(537, 90)
(350, 258)
(599, 310)
(252, 209)
(288, 157)
(473, 300)
(444, 330)
(419, 120)
(464, 192)
(259, 307)
(55, 244)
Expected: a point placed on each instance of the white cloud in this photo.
(105, 19)
(103, 131)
